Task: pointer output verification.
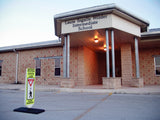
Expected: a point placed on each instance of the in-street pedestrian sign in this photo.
(30, 87)
(29, 97)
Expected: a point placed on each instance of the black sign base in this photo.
(29, 110)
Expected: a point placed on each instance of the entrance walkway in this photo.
(91, 88)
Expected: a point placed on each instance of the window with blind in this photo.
(57, 67)
(38, 67)
(0, 67)
(157, 65)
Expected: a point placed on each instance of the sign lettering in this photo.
(83, 24)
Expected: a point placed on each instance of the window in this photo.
(157, 65)
(38, 67)
(0, 67)
(57, 67)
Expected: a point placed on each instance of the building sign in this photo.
(30, 87)
(84, 24)
(99, 22)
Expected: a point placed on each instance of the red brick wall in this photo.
(126, 64)
(87, 67)
(74, 63)
(133, 65)
(101, 66)
(90, 67)
(147, 68)
(84, 65)
(80, 71)
(26, 60)
(8, 67)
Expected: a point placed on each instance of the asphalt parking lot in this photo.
(81, 106)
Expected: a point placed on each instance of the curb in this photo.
(137, 91)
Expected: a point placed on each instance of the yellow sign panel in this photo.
(30, 87)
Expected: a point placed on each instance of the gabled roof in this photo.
(102, 9)
(31, 46)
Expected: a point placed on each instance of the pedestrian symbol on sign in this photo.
(30, 88)
(30, 94)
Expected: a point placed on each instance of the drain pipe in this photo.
(17, 56)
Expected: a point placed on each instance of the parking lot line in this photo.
(91, 108)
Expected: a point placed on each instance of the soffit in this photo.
(86, 39)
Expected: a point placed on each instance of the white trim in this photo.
(155, 66)
(57, 67)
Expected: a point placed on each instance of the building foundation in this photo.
(111, 83)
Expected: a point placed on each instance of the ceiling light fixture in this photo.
(96, 39)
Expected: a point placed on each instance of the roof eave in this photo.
(29, 46)
(150, 34)
(111, 8)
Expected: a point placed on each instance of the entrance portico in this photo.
(117, 33)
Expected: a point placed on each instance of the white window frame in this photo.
(1, 61)
(156, 65)
(38, 68)
(57, 67)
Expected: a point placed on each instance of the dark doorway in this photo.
(102, 64)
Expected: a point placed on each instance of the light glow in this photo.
(96, 39)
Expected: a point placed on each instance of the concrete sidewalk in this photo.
(91, 89)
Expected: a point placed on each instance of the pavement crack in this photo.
(91, 108)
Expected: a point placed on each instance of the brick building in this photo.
(99, 45)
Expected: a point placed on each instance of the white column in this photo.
(113, 55)
(137, 58)
(17, 67)
(107, 55)
(68, 55)
(64, 58)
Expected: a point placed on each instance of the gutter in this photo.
(150, 34)
(29, 46)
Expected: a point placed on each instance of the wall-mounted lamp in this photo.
(96, 39)
(106, 48)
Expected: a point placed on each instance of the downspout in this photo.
(17, 56)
